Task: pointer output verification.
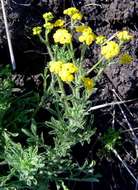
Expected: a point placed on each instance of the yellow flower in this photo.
(48, 16)
(59, 23)
(66, 76)
(37, 30)
(87, 35)
(48, 25)
(110, 50)
(55, 66)
(64, 70)
(76, 16)
(100, 39)
(71, 11)
(88, 83)
(124, 36)
(126, 58)
(83, 28)
(87, 38)
(69, 67)
(62, 36)
(67, 71)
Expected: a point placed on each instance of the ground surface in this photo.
(119, 82)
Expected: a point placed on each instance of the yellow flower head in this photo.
(66, 76)
(88, 83)
(55, 66)
(59, 23)
(48, 16)
(83, 28)
(110, 50)
(62, 36)
(124, 36)
(71, 11)
(87, 35)
(100, 39)
(126, 58)
(64, 70)
(69, 67)
(87, 38)
(76, 16)
(67, 71)
(37, 30)
(48, 26)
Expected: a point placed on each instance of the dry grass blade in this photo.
(125, 165)
(134, 137)
(8, 36)
(92, 4)
(110, 104)
(124, 103)
(22, 4)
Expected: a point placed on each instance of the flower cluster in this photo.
(77, 16)
(64, 70)
(73, 13)
(59, 23)
(87, 36)
(48, 16)
(88, 83)
(55, 66)
(83, 28)
(100, 40)
(110, 50)
(124, 36)
(37, 30)
(62, 36)
(125, 58)
(48, 25)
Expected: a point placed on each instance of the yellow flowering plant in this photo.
(67, 83)
(125, 58)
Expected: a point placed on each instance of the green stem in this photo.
(94, 67)
(46, 42)
(72, 89)
(49, 50)
(63, 94)
(83, 50)
(56, 96)
(61, 86)
(99, 73)
(71, 45)
(71, 50)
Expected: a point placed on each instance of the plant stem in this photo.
(83, 50)
(72, 52)
(56, 96)
(98, 74)
(62, 92)
(49, 50)
(61, 86)
(46, 42)
(90, 70)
